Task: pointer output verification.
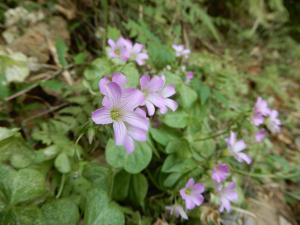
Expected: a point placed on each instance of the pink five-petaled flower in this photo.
(119, 49)
(138, 54)
(177, 210)
(236, 147)
(261, 110)
(273, 123)
(181, 51)
(157, 94)
(220, 172)
(227, 194)
(260, 135)
(120, 109)
(192, 194)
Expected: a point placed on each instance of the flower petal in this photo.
(168, 91)
(120, 132)
(113, 92)
(119, 78)
(150, 108)
(131, 99)
(129, 144)
(137, 133)
(239, 146)
(144, 81)
(135, 120)
(101, 116)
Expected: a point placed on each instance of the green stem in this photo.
(61, 186)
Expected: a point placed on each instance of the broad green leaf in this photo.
(60, 212)
(163, 135)
(101, 211)
(21, 186)
(62, 163)
(134, 162)
(113, 33)
(177, 164)
(187, 96)
(98, 68)
(172, 179)
(177, 119)
(100, 176)
(121, 185)
(138, 189)
(132, 74)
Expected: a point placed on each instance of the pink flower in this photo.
(120, 109)
(260, 135)
(181, 51)
(236, 147)
(273, 123)
(119, 49)
(177, 210)
(220, 172)
(261, 110)
(227, 194)
(157, 94)
(189, 75)
(192, 194)
(138, 54)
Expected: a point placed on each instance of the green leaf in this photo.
(138, 189)
(62, 163)
(113, 33)
(187, 96)
(94, 72)
(178, 165)
(163, 135)
(100, 176)
(101, 211)
(134, 162)
(121, 185)
(132, 74)
(21, 186)
(61, 212)
(177, 119)
(61, 49)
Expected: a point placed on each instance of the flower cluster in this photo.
(125, 50)
(263, 115)
(121, 106)
(192, 196)
(226, 193)
(180, 51)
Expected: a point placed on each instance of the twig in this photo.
(52, 109)
(24, 91)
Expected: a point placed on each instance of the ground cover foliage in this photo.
(148, 112)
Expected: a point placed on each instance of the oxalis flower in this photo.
(138, 54)
(273, 122)
(180, 51)
(120, 108)
(261, 110)
(192, 194)
(236, 147)
(119, 49)
(177, 210)
(220, 172)
(227, 194)
(157, 94)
